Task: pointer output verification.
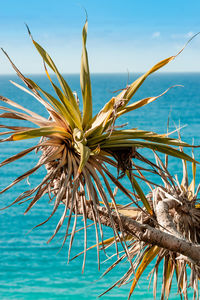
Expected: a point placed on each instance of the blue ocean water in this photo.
(32, 269)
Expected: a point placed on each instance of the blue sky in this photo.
(122, 35)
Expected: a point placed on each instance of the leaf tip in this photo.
(86, 14)
(77, 175)
(3, 51)
(29, 32)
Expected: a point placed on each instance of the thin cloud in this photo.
(156, 35)
(187, 35)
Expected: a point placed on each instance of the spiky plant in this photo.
(78, 148)
(176, 209)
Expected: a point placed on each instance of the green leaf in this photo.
(84, 156)
(57, 105)
(85, 81)
(191, 187)
(73, 111)
(66, 89)
(140, 193)
(101, 120)
(154, 146)
(123, 135)
(131, 90)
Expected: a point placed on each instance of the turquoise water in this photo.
(32, 269)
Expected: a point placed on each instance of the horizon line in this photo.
(108, 73)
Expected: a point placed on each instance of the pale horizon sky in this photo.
(121, 34)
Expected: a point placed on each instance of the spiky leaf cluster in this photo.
(77, 149)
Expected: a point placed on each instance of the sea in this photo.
(31, 269)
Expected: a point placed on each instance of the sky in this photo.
(122, 34)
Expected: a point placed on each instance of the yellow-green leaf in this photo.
(100, 121)
(169, 272)
(141, 103)
(149, 255)
(57, 105)
(154, 146)
(85, 81)
(73, 111)
(131, 90)
(140, 193)
(84, 155)
(191, 187)
(66, 89)
(38, 132)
